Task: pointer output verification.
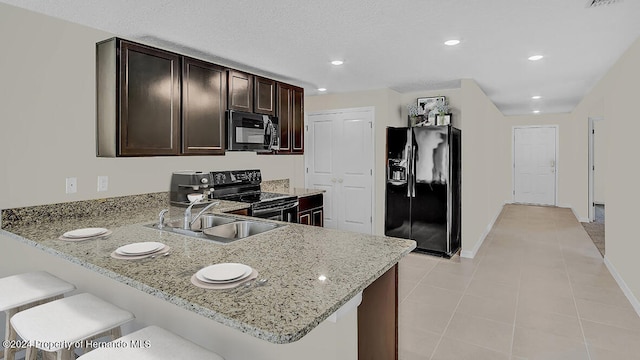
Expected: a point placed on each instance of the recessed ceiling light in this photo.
(535, 57)
(536, 111)
(337, 62)
(322, 278)
(452, 42)
(536, 97)
(322, 89)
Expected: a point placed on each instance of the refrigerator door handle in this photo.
(409, 169)
(413, 170)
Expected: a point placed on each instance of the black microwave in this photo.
(252, 132)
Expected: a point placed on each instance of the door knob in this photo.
(333, 180)
(340, 180)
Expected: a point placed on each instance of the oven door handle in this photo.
(281, 208)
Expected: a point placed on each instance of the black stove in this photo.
(244, 186)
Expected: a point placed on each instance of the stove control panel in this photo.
(236, 177)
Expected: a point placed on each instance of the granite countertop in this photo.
(290, 305)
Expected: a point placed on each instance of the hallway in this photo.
(537, 289)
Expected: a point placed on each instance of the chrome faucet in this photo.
(187, 222)
(161, 218)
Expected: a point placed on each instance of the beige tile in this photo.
(404, 289)
(446, 281)
(450, 349)
(597, 353)
(546, 302)
(608, 295)
(462, 268)
(537, 288)
(611, 337)
(552, 323)
(608, 314)
(416, 344)
(431, 295)
(410, 273)
(418, 316)
(419, 261)
(490, 289)
(408, 355)
(486, 333)
(503, 310)
(600, 281)
(534, 344)
(503, 276)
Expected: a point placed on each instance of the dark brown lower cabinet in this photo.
(310, 210)
(378, 319)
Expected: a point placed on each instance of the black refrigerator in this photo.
(423, 187)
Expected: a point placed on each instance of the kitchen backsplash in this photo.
(276, 186)
(136, 207)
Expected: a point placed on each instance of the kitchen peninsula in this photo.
(312, 272)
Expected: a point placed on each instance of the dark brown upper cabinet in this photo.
(138, 102)
(290, 114)
(264, 96)
(204, 102)
(240, 91)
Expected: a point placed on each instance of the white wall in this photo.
(600, 161)
(47, 121)
(483, 158)
(615, 99)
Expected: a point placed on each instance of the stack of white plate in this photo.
(140, 250)
(85, 234)
(224, 273)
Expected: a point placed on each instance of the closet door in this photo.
(339, 160)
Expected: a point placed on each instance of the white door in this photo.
(534, 165)
(339, 159)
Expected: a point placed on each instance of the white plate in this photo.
(225, 272)
(83, 233)
(203, 279)
(140, 248)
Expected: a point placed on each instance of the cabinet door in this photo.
(297, 121)
(291, 119)
(204, 102)
(264, 96)
(284, 116)
(304, 218)
(240, 91)
(317, 217)
(149, 101)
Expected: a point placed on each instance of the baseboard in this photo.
(623, 285)
(470, 254)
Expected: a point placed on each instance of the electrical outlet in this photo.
(103, 183)
(72, 185)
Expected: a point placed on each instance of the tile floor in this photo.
(537, 289)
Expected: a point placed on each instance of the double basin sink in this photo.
(219, 228)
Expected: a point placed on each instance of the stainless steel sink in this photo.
(239, 229)
(220, 229)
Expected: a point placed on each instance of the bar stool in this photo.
(151, 343)
(24, 291)
(62, 325)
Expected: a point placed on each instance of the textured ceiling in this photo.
(386, 44)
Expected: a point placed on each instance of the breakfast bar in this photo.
(309, 275)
